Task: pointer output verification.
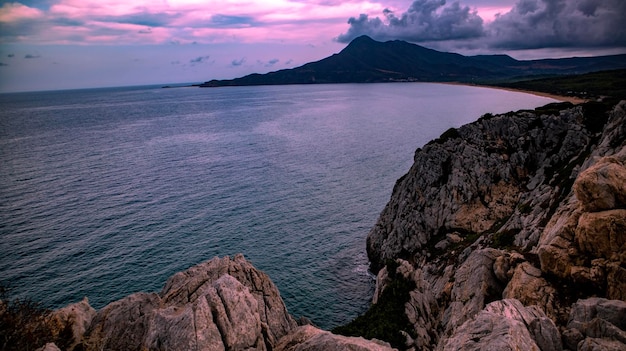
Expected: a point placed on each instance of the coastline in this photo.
(572, 99)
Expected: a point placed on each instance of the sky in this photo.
(67, 44)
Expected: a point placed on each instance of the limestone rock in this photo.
(309, 338)
(506, 325)
(221, 304)
(500, 172)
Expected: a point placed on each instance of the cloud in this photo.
(530, 24)
(425, 20)
(231, 21)
(533, 24)
(11, 55)
(2, 64)
(30, 56)
(199, 59)
(288, 62)
(236, 63)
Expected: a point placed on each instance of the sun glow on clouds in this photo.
(179, 21)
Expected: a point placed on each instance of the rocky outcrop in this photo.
(222, 304)
(505, 224)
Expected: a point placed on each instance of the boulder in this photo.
(602, 186)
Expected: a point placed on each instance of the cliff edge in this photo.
(513, 231)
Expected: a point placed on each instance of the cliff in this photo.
(508, 233)
(513, 230)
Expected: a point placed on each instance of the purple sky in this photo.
(61, 44)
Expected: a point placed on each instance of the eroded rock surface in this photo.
(536, 206)
(221, 304)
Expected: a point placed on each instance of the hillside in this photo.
(365, 60)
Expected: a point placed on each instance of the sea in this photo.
(107, 192)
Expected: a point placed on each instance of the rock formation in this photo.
(513, 229)
(221, 304)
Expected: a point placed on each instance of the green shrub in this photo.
(386, 319)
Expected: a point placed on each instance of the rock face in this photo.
(504, 224)
(221, 304)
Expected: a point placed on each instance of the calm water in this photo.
(108, 192)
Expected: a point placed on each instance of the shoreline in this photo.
(572, 99)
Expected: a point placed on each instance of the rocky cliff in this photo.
(513, 229)
(508, 233)
(221, 304)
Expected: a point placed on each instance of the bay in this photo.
(106, 192)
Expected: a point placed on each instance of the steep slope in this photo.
(507, 227)
(365, 60)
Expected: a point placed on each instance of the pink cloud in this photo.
(184, 21)
(13, 12)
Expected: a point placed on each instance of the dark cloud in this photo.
(143, 19)
(29, 56)
(11, 55)
(272, 62)
(200, 59)
(145, 31)
(2, 64)
(531, 24)
(290, 61)
(425, 20)
(237, 63)
(231, 21)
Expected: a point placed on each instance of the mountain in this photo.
(365, 60)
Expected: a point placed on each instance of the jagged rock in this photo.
(77, 317)
(597, 324)
(221, 304)
(498, 172)
(309, 338)
(506, 325)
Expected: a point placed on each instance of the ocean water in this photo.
(107, 192)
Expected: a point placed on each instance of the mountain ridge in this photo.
(365, 60)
